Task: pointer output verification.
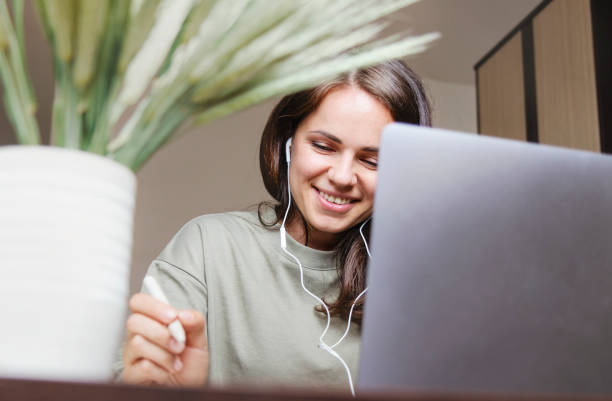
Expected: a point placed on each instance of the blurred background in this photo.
(215, 168)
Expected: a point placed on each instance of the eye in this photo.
(370, 162)
(321, 146)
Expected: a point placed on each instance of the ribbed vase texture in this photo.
(66, 220)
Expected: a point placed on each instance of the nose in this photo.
(342, 174)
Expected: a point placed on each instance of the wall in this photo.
(454, 105)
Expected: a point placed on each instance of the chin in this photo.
(332, 228)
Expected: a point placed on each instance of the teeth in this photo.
(333, 199)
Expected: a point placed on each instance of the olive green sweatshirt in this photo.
(262, 327)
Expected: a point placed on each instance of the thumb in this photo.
(195, 328)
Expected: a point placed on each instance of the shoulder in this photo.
(226, 220)
(229, 223)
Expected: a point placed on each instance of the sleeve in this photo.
(179, 269)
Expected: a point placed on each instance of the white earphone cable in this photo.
(284, 248)
(348, 323)
(363, 237)
(283, 240)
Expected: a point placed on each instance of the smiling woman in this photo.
(260, 290)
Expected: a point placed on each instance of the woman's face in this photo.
(334, 156)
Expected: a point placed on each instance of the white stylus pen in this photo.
(176, 329)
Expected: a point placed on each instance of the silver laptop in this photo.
(491, 268)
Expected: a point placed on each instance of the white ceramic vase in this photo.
(66, 223)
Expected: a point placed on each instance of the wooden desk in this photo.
(32, 390)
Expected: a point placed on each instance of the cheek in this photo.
(306, 168)
(300, 176)
(369, 186)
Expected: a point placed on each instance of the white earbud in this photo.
(288, 151)
(283, 232)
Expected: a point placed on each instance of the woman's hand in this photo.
(152, 356)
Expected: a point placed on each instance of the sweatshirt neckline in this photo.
(310, 258)
(313, 259)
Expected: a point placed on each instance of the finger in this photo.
(195, 328)
(153, 331)
(154, 308)
(139, 347)
(145, 371)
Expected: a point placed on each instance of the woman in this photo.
(247, 295)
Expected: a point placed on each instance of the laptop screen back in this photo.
(491, 269)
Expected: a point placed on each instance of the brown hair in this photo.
(400, 90)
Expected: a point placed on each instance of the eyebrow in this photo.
(337, 140)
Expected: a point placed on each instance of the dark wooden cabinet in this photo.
(549, 80)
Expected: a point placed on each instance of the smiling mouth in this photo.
(334, 199)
